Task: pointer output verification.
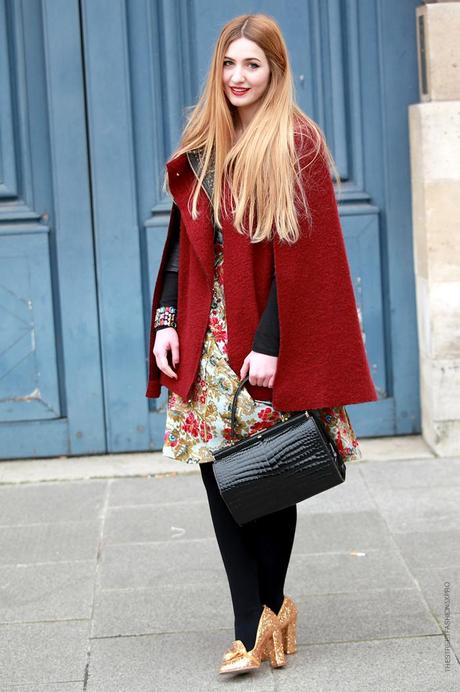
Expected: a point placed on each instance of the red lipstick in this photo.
(238, 92)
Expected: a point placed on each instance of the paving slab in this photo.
(451, 631)
(158, 522)
(162, 562)
(350, 496)
(336, 617)
(169, 662)
(61, 686)
(419, 473)
(419, 509)
(48, 591)
(156, 490)
(398, 664)
(43, 653)
(337, 531)
(53, 542)
(348, 571)
(43, 503)
(439, 586)
(166, 608)
(430, 548)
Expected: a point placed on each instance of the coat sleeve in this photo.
(321, 345)
(153, 386)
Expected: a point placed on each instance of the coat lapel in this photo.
(194, 159)
(200, 231)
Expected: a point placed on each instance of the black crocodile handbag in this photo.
(277, 467)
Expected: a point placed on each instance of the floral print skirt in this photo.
(196, 427)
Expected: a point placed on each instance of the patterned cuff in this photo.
(165, 316)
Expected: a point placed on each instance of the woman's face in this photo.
(246, 73)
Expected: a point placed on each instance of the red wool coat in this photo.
(322, 360)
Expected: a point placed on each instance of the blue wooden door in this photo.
(92, 104)
(51, 396)
(73, 361)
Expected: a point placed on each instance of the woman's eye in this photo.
(252, 64)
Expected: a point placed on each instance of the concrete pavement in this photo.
(111, 579)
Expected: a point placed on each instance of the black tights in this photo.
(256, 557)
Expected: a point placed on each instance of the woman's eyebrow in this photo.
(227, 57)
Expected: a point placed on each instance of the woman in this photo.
(254, 279)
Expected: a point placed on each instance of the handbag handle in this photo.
(235, 398)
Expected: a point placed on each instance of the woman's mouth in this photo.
(238, 92)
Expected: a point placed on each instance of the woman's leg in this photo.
(239, 561)
(272, 538)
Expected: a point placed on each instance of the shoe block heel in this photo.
(275, 650)
(289, 638)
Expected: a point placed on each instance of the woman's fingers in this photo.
(162, 362)
(259, 381)
(266, 381)
(245, 368)
(175, 353)
(166, 340)
(261, 369)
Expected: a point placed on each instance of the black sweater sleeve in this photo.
(169, 291)
(267, 337)
(173, 259)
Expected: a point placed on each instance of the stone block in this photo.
(434, 141)
(442, 436)
(442, 214)
(445, 319)
(438, 318)
(439, 51)
(440, 385)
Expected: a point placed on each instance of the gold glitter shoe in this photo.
(288, 621)
(238, 660)
(287, 617)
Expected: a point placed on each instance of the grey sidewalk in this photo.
(114, 583)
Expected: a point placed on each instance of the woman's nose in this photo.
(236, 76)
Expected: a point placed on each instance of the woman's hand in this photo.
(166, 340)
(261, 369)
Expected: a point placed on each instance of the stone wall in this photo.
(434, 126)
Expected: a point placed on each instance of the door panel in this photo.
(27, 338)
(50, 384)
(117, 225)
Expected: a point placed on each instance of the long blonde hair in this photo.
(263, 168)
